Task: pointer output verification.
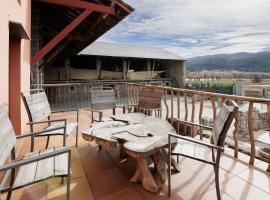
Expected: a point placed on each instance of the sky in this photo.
(192, 28)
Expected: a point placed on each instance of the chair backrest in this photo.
(102, 99)
(37, 105)
(7, 135)
(149, 99)
(223, 122)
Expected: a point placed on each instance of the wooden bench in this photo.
(39, 112)
(34, 167)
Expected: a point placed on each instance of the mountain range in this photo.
(248, 62)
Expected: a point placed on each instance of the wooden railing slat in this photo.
(200, 116)
(251, 134)
(268, 112)
(193, 115)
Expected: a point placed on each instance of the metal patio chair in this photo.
(39, 112)
(34, 167)
(103, 98)
(199, 150)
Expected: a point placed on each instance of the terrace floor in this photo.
(100, 175)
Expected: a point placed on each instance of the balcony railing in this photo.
(189, 105)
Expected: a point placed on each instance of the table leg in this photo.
(143, 175)
(160, 169)
(175, 165)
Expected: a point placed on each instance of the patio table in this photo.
(142, 137)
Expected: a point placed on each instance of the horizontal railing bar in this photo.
(207, 94)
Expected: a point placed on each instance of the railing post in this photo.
(268, 113)
(235, 134)
(186, 112)
(178, 111)
(200, 116)
(193, 115)
(251, 135)
(166, 104)
(172, 107)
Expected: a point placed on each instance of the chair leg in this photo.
(99, 147)
(77, 135)
(216, 168)
(68, 188)
(9, 194)
(92, 117)
(32, 144)
(48, 141)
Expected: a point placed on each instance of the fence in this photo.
(189, 105)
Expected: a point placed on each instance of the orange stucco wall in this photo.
(12, 11)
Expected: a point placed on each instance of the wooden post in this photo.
(200, 116)
(193, 115)
(172, 107)
(251, 135)
(98, 67)
(124, 66)
(186, 112)
(178, 111)
(166, 104)
(235, 134)
(268, 111)
(67, 68)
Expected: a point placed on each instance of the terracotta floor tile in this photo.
(211, 194)
(107, 182)
(189, 185)
(257, 178)
(34, 192)
(79, 190)
(231, 165)
(241, 190)
(207, 171)
(101, 162)
(127, 194)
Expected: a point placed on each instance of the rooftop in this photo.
(129, 51)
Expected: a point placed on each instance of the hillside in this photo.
(249, 62)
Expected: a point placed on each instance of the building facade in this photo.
(15, 32)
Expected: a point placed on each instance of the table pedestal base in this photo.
(144, 175)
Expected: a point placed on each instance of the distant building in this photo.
(121, 62)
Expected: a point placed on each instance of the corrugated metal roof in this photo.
(128, 51)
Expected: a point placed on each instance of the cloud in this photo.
(197, 27)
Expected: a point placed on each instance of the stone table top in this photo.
(141, 133)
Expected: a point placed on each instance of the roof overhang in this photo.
(66, 27)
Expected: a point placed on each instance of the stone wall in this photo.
(260, 121)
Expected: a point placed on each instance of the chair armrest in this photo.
(59, 111)
(93, 110)
(39, 132)
(76, 110)
(47, 121)
(196, 141)
(25, 161)
(152, 109)
(195, 124)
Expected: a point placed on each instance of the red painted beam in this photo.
(82, 5)
(59, 37)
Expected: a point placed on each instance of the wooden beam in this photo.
(83, 5)
(59, 37)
